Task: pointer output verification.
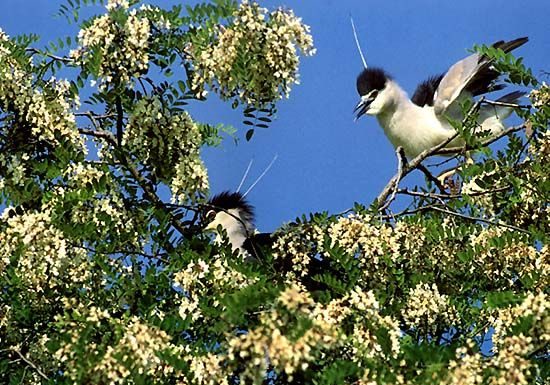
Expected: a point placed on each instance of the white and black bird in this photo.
(230, 212)
(422, 122)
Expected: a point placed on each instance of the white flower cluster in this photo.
(14, 169)
(81, 175)
(138, 349)
(297, 246)
(170, 145)
(268, 345)
(364, 343)
(372, 243)
(104, 209)
(156, 17)
(120, 46)
(506, 263)
(536, 306)
(540, 97)
(42, 257)
(199, 279)
(254, 58)
(467, 368)
(426, 308)
(39, 114)
(508, 366)
(117, 4)
(208, 369)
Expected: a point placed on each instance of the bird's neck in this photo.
(237, 227)
(396, 101)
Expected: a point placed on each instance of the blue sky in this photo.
(326, 161)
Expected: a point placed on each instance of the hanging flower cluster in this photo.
(254, 58)
(116, 45)
(41, 256)
(169, 145)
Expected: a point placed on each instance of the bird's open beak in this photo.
(362, 107)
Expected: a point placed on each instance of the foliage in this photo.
(104, 281)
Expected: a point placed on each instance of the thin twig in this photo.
(504, 104)
(453, 150)
(454, 213)
(159, 256)
(91, 114)
(63, 59)
(31, 364)
(430, 177)
(145, 185)
(107, 135)
(433, 195)
(477, 219)
(119, 120)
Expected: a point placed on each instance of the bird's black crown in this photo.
(371, 79)
(232, 200)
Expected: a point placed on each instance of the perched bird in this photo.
(421, 122)
(231, 212)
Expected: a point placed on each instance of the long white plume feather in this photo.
(262, 175)
(357, 43)
(245, 174)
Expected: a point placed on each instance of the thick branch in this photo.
(401, 163)
(413, 164)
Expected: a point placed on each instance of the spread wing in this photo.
(470, 76)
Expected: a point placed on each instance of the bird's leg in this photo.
(446, 177)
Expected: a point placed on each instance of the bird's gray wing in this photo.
(470, 77)
(455, 81)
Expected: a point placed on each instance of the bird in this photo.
(230, 212)
(421, 122)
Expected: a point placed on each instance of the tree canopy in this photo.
(108, 277)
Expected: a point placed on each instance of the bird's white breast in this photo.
(414, 128)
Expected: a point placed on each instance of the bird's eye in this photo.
(374, 94)
(210, 215)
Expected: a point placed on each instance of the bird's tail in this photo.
(504, 110)
(492, 116)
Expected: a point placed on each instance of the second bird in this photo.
(421, 122)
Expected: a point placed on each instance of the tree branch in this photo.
(430, 177)
(504, 104)
(477, 219)
(31, 364)
(433, 195)
(453, 150)
(145, 185)
(34, 51)
(401, 163)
